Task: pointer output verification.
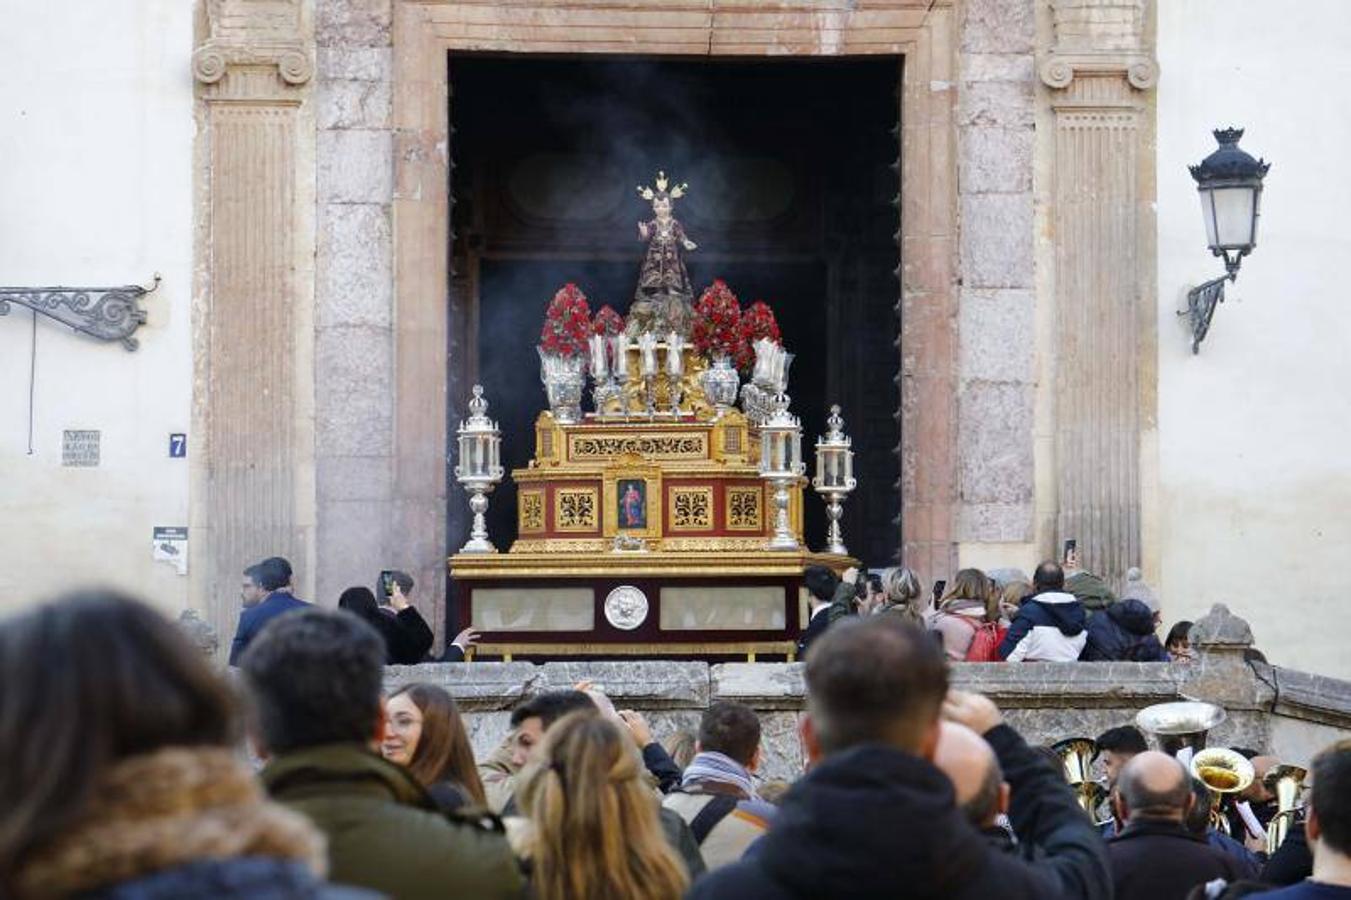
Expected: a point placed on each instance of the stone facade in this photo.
(1291, 713)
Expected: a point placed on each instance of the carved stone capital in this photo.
(211, 60)
(1102, 37)
(254, 33)
(1057, 70)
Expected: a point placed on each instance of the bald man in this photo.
(977, 780)
(1155, 857)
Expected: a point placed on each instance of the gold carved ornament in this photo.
(631, 467)
(585, 448)
(744, 506)
(691, 508)
(575, 509)
(531, 509)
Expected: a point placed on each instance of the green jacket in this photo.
(383, 832)
(842, 603)
(1091, 590)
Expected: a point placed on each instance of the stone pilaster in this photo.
(1098, 73)
(253, 477)
(996, 340)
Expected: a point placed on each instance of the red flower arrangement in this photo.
(607, 321)
(717, 322)
(567, 323)
(756, 322)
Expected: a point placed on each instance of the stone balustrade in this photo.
(1289, 713)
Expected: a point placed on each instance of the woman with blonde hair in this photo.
(970, 602)
(901, 596)
(592, 830)
(426, 734)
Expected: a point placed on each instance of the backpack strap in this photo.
(718, 807)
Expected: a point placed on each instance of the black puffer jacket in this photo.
(1124, 631)
(873, 822)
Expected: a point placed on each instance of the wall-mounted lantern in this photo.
(1229, 182)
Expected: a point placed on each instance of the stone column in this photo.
(1099, 72)
(253, 465)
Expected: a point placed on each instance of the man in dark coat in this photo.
(821, 585)
(1155, 857)
(875, 818)
(316, 678)
(1124, 631)
(275, 577)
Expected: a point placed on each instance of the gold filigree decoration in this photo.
(691, 509)
(711, 544)
(560, 545)
(743, 509)
(650, 446)
(531, 511)
(575, 509)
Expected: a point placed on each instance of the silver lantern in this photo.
(781, 465)
(480, 467)
(834, 476)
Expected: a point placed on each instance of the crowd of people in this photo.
(1002, 616)
(134, 770)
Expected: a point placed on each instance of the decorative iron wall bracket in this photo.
(1201, 303)
(107, 313)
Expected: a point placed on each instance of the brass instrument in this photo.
(1076, 760)
(1224, 771)
(1286, 782)
(1181, 725)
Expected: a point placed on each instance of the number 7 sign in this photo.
(178, 446)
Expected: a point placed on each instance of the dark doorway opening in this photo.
(792, 187)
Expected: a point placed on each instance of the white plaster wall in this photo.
(96, 135)
(1255, 432)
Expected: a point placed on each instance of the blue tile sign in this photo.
(178, 446)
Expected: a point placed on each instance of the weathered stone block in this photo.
(353, 477)
(364, 23)
(998, 26)
(782, 754)
(996, 332)
(353, 387)
(998, 67)
(1221, 628)
(346, 553)
(355, 167)
(639, 683)
(355, 63)
(354, 268)
(996, 240)
(477, 686)
(994, 453)
(995, 160)
(352, 104)
(995, 522)
(1001, 104)
(762, 685)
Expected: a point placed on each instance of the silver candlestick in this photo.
(781, 465)
(480, 467)
(834, 476)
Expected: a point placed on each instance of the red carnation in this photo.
(717, 322)
(567, 322)
(756, 322)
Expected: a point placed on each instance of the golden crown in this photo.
(674, 193)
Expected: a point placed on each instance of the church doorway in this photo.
(792, 179)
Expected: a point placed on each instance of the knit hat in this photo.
(1136, 589)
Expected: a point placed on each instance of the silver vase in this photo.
(721, 382)
(564, 377)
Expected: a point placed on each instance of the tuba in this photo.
(1286, 782)
(1224, 771)
(1076, 761)
(1180, 726)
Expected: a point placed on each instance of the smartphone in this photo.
(387, 583)
(1071, 551)
(939, 585)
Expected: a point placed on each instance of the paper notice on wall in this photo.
(170, 544)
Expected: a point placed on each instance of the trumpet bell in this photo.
(1076, 758)
(1180, 725)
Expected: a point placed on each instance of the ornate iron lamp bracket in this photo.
(107, 313)
(1201, 303)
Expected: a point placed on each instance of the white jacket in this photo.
(1050, 627)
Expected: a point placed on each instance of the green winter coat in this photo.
(1091, 590)
(383, 832)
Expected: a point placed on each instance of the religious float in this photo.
(667, 519)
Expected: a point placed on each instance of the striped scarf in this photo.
(713, 766)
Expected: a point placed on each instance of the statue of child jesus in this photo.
(664, 300)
